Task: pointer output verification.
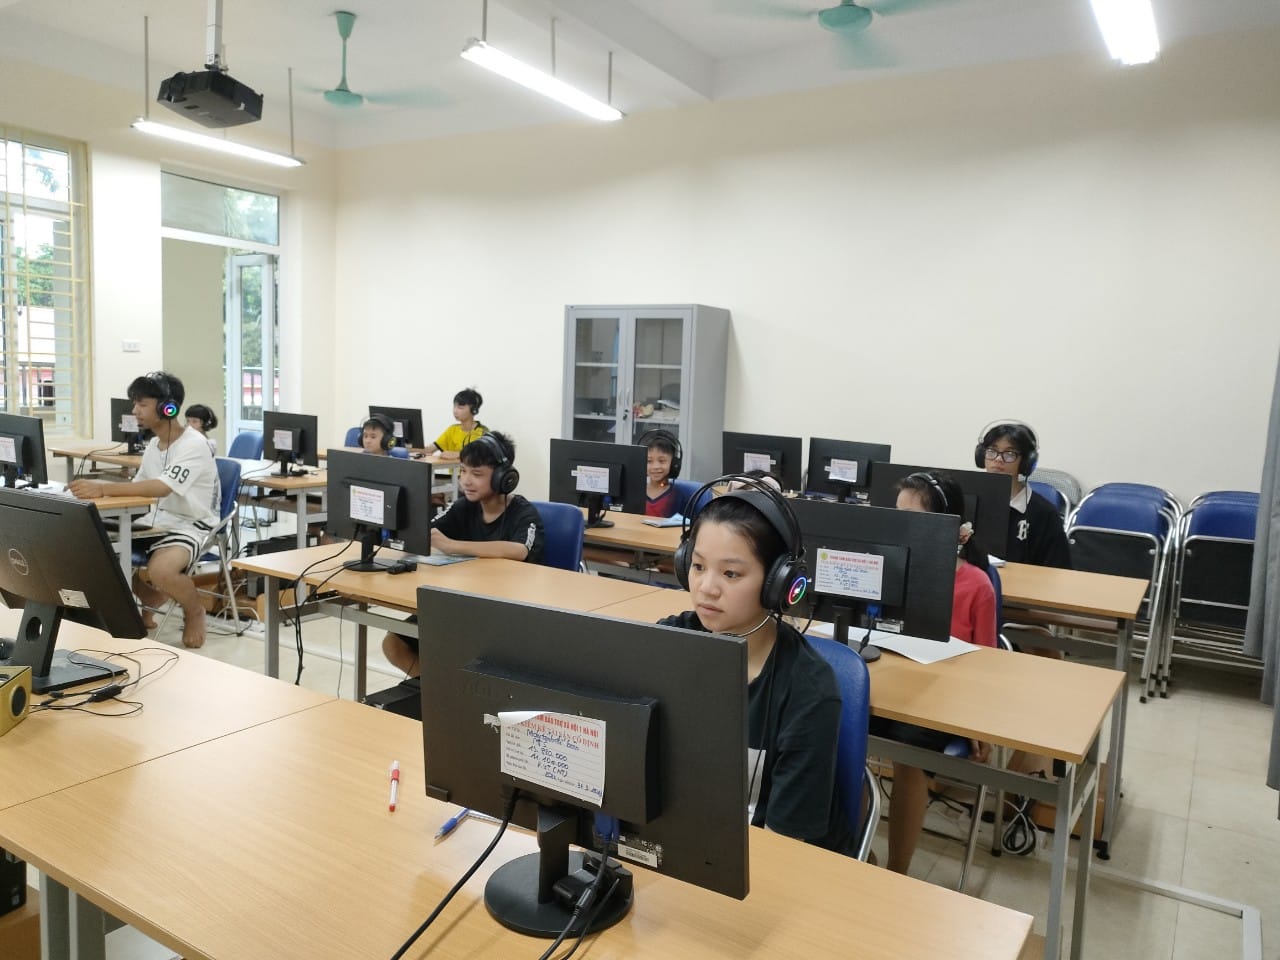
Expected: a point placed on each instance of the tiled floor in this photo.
(1196, 811)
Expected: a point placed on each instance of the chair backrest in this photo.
(563, 526)
(1061, 481)
(994, 574)
(400, 453)
(1053, 495)
(229, 481)
(247, 445)
(352, 438)
(855, 713)
(1226, 518)
(1130, 513)
(684, 490)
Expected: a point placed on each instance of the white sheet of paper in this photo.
(673, 521)
(557, 750)
(282, 439)
(366, 505)
(128, 423)
(592, 480)
(849, 574)
(843, 470)
(8, 449)
(756, 461)
(397, 429)
(913, 648)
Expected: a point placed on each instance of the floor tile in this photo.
(1238, 801)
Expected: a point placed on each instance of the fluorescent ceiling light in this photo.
(1129, 28)
(479, 52)
(214, 143)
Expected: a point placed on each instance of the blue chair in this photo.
(563, 526)
(218, 546)
(1054, 496)
(247, 445)
(854, 780)
(685, 489)
(353, 437)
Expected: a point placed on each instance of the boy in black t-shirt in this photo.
(488, 520)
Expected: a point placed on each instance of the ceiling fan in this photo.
(344, 97)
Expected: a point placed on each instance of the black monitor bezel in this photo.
(788, 449)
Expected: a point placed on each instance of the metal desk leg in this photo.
(1084, 860)
(1115, 755)
(300, 511)
(124, 544)
(88, 925)
(55, 921)
(271, 627)
(362, 656)
(1058, 871)
(71, 468)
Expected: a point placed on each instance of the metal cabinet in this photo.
(631, 369)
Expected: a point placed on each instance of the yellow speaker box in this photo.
(15, 696)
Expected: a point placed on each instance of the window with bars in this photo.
(44, 295)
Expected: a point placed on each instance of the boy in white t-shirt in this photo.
(177, 469)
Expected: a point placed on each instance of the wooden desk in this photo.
(123, 510)
(508, 579)
(287, 849)
(1055, 595)
(631, 532)
(1047, 707)
(296, 489)
(95, 451)
(191, 701)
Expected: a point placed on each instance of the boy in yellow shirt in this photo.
(466, 404)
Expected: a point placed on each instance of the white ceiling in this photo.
(666, 52)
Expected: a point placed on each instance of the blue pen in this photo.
(449, 825)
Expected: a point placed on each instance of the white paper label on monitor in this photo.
(558, 750)
(366, 505)
(73, 598)
(397, 429)
(282, 439)
(640, 851)
(843, 470)
(756, 461)
(849, 574)
(592, 480)
(128, 423)
(8, 450)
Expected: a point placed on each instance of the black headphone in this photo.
(1024, 437)
(650, 436)
(930, 479)
(166, 404)
(388, 429)
(787, 580)
(505, 477)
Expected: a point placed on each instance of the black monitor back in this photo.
(741, 450)
(407, 422)
(305, 424)
(860, 455)
(627, 464)
(986, 498)
(404, 484)
(27, 434)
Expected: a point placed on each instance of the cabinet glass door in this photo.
(595, 378)
(657, 383)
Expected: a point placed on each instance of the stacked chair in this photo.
(1209, 600)
(1129, 530)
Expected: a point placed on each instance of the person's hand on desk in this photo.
(979, 752)
(89, 489)
(442, 544)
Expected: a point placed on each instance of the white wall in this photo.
(195, 343)
(1089, 249)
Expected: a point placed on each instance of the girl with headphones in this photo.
(973, 619)
(489, 520)
(664, 462)
(202, 419)
(742, 561)
(1035, 527)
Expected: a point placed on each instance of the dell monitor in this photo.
(586, 717)
(84, 584)
(586, 472)
(124, 426)
(778, 456)
(986, 499)
(367, 495)
(289, 438)
(841, 469)
(406, 423)
(883, 569)
(22, 454)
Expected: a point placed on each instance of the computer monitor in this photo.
(585, 472)
(780, 456)
(894, 570)
(842, 468)
(406, 423)
(124, 425)
(986, 499)
(367, 495)
(289, 438)
(634, 721)
(84, 584)
(22, 454)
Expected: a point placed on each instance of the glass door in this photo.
(252, 370)
(657, 372)
(598, 403)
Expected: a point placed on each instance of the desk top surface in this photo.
(1050, 707)
(1074, 591)
(508, 579)
(108, 504)
(107, 451)
(416, 454)
(295, 813)
(630, 530)
(273, 481)
(187, 702)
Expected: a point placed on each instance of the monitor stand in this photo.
(521, 894)
(594, 502)
(369, 538)
(53, 669)
(869, 652)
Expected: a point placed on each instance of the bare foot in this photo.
(193, 632)
(148, 620)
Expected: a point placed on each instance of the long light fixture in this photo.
(214, 143)
(481, 53)
(1129, 29)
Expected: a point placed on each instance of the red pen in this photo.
(395, 784)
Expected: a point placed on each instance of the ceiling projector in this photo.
(211, 98)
